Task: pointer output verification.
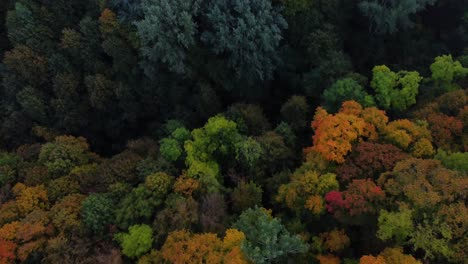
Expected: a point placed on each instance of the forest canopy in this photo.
(233, 131)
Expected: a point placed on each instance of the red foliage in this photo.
(359, 198)
(444, 129)
(368, 160)
(7, 251)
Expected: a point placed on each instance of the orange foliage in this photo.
(186, 186)
(30, 198)
(7, 251)
(108, 21)
(335, 240)
(8, 212)
(315, 204)
(25, 250)
(372, 260)
(185, 248)
(328, 259)
(335, 134)
(396, 256)
(8, 231)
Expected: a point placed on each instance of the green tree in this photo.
(97, 211)
(387, 17)
(454, 161)
(445, 71)
(137, 241)
(64, 153)
(345, 90)
(140, 204)
(211, 145)
(433, 236)
(395, 225)
(248, 32)
(167, 32)
(266, 239)
(249, 153)
(172, 147)
(395, 91)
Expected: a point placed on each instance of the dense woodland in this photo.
(234, 131)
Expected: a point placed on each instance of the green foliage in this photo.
(345, 90)
(433, 237)
(395, 225)
(97, 211)
(167, 33)
(210, 145)
(137, 241)
(454, 161)
(387, 17)
(140, 204)
(395, 91)
(170, 149)
(8, 164)
(266, 239)
(249, 153)
(445, 71)
(63, 154)
(248, 32)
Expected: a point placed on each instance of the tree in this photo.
(179, 213)
(387, 17)
(422, 183)
(64, 153)
(141, 203)
(372, 260)
(8, 168)
(369, 160)
(66, 213)
(7, 251)
(167, 32)
(213, 213)
(248, 32)
(137, 241)
(250, 118)
(249, 153)
(97, 212)
(395, 225)
(26, 28)
(210, 145)
(30, 198)
(185, 247)
(360, 197)
(345, 90)
(245, 196)
(396, 256)
(445, 71)
(453, 161)
(335, 240)
(306, 190)
(334, 134)
(410, 136)
(296, 112)
(396, 91)
(266, 239)
(433, 236)
(127, 10)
